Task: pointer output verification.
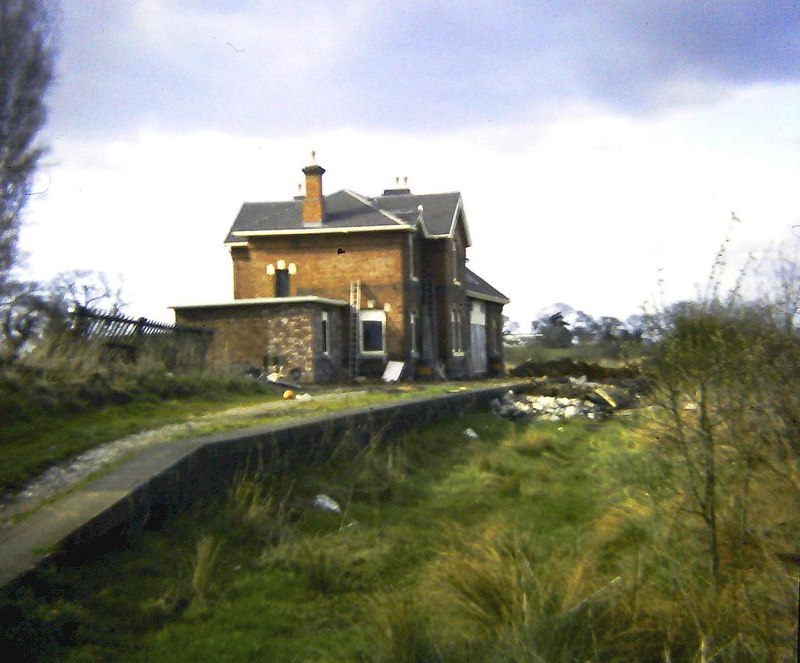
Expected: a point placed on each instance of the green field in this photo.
(551, 542)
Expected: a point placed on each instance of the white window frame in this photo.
(412, 274)
(371, 316)
(325, 330)
(457, 330)
(455, 261)
(412, 329)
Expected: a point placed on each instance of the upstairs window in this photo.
(412, 270)
(456, 262)
(281, 282)
(281, 274)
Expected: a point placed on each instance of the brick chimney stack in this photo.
(313, 203)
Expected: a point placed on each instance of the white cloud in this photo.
(585, 210)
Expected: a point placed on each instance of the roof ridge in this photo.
(418, 195)
(369, 203)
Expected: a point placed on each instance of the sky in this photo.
(600, 147)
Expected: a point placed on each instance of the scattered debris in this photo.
(326, 503)
(605, 396)
(288, 395)
(303, 397)
(393, 371)
(278, 381)
(471, 434)
(556, 399)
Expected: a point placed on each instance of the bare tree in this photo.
(26, 71)
(94, 290)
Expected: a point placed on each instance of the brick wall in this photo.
(288, 335)
(326, 264)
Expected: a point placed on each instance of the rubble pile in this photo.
(557, 399)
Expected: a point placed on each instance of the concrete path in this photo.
(64, 476)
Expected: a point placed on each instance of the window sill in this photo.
(375, 353)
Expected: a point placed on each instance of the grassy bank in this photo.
(552, 542)
(36, 436)
(46, 438)
(46, 421)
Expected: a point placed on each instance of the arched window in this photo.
(282, 283)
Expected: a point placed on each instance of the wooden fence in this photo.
(125, 338)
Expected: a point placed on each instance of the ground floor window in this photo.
(412, 330)
(373, 332)
(325, 333)
(457, 325)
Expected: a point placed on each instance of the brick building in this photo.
(332, 287)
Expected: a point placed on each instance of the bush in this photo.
(75, 377)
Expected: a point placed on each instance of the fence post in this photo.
(81, 316)
(139, 337)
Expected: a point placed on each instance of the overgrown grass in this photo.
(46, 437)
(49, 414)
(556, 542)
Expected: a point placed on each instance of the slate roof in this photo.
(439, 210)
(346, 210)
(480, 289)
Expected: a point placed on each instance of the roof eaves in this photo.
(317, 231)
(460, 209)
(488, 298)
(306, 299)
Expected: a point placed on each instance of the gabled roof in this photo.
(439, 210)
(347, 211)
(477, 288)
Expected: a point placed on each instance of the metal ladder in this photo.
(355, 307)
